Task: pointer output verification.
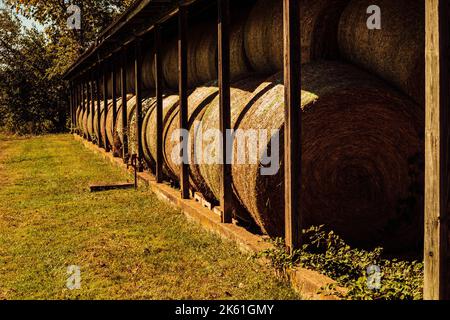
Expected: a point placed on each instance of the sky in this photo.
(27, 23)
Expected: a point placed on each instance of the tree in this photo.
(33, 96)
(24, 60)
(95, 14)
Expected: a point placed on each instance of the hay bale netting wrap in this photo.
(147, 103)
(170, 103)
(264, 32)
(362, 150)
(396, 51)
(197, 102)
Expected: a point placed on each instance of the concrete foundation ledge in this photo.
(307, 282)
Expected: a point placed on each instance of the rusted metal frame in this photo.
(225, 107)
(183, 94)
(139, 97)
(437, 158)
(159, 104)
(105, 105)
(293, 123)
(123, 77)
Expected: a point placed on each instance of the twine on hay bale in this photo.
(264, 32)
(396, 51)
(362, 150)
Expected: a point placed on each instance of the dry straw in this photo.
(361, 169)
(396, 51)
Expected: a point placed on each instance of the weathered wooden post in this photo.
(71, 103)
(105, 106)
(159, 104)
(123, 78)
(92, 76)
(98, 99)
(80, 103)
(138, 93)
(83, 103)
(293, 123)
(437, 144)
(114, 97)
(183, 93)
(225, 108)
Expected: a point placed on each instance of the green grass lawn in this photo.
(128, 244)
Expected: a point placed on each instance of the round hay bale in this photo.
(90, 127)
(197, 102)
(170, 103)
(80, 120)
(110, 123)
(85, 122)
(131, 103)
(264, 32)
(117, 140)
(132, 124)
(362, 158)
(96, 128)
(208, 175)
(102, 119)
(202, 57)
(78, 115)
(148, 74)
(396, 51)
(130, 75)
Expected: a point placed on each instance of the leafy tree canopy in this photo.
(33, 97)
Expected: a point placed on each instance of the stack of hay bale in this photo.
(363, 119)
